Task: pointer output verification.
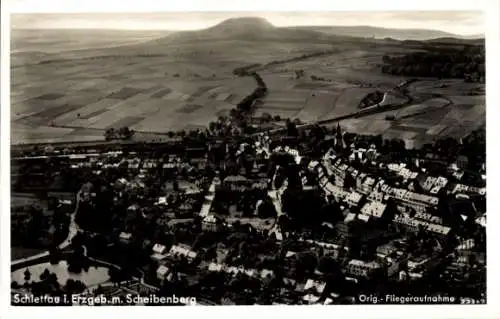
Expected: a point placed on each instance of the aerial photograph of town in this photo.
(248, 158)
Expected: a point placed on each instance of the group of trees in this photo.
(244, 71)
(48, 284)
(291, 126)
(267, 209)
(245, 106)
(239, 115)
(304, 56)
(123, 133)
(299, 74)
(106, 57)
(474, 147)
(31, 229)
(317, 78)
(27, 226)
(78, 261)
(467, 63)
(371, 99)
(268, 118)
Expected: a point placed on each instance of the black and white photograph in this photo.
(272, 158)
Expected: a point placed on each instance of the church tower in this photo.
(339, 139)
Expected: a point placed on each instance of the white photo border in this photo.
(492, 13)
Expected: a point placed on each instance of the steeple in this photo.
(339, 131)
(339, 139)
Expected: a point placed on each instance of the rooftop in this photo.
(159, 248)
(373, 208)
(319, 286)
(364, 264)
(405, 219)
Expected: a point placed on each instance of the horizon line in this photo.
(203, 20)
(473, 35)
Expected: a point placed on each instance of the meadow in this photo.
(159, 85)
(442, 109)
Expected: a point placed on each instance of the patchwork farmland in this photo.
(153, 103)
(428, 118)
(333, 86)
(160, 86)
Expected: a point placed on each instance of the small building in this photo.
(481, 220)
(337, 192)
(417, 261)
(125, 238)
(374, 209)
(289, 282)
(395, 263)
(266, 274)
(312, 166)
(462, 162)
(65, 202)
(215, 267)
(429, 217)
(182, 250)
(364, 218)
(353, 198)
(236, 182)
(159, 252)
(259, 184)
(359, 268)
(162, 272)
(366, 186)
(412, 224)
(386, 250)
(133, 208)
(211, 223)
(403, 275)
(314, 290)
(290, 254)
(377, 196)
(314, 286)
(162, 201)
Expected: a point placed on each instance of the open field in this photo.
(162, 85)
(440, 108)
(424, 121)
(343, 79)
(57, 40)
(98, 90)
(39, 44)
(142, 100)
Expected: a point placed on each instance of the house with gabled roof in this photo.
(314, 290)
(162, 272)
(125, 237)
(182, 250)
(159, 252)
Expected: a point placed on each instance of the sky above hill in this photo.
(458, 22)
(151, 14)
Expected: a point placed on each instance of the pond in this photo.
(95, 275)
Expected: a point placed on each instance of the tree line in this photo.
(466, 62)
(123, 133)
(101, 57)
(371, 99)
(239, 115)
(246, 106)
(304, 56)
(245, 71)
